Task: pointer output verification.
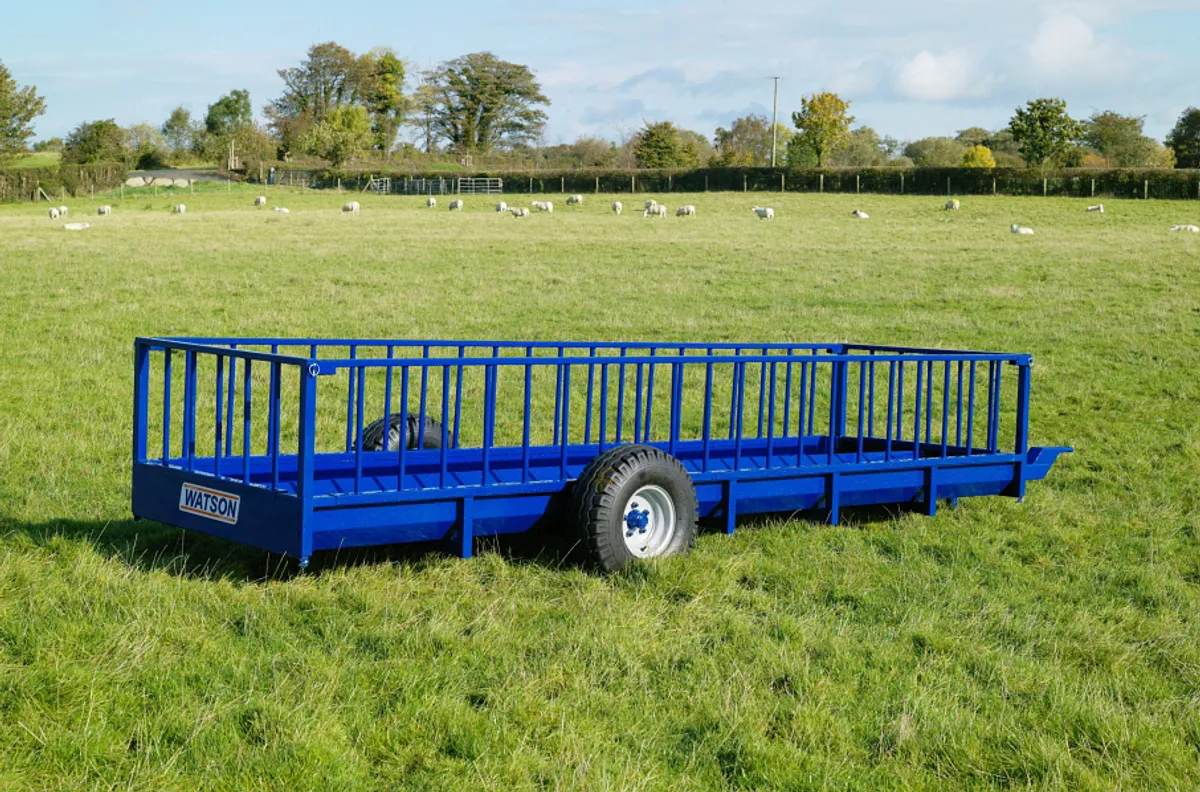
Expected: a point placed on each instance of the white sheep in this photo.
(766, 213)
(351, 207)
(77, 226)
(281, 210)
(179, 209)
(1021, 230)
(1097, 208)
(617, 208)
(651, 203)
(542, 206)
(658, 210)
(54, 213)
(260, 200)
(456, 205)
(860, 214)
(62, 211)
(104, 211)
(952, 206)
(1191, 228)
(686, 211)
(502, 207)
(431, 203)
(575, 199)
(519, 211)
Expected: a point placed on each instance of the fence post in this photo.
(562, 184)
(993, 185)
(782, 183)
(948, 192)
(670, 183)
(822, 182)
(902, 182)
(1093, 188)
(597, 185)
(743, 182)
(857, 184)
(1045, 186)
(633, 183)
(1146, 194)
(706, 186)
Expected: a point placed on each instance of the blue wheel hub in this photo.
(637, 520)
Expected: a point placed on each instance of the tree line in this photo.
(338, 107)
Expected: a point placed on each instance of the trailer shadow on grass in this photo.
(154, 547)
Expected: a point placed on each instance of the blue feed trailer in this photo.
(301, 445)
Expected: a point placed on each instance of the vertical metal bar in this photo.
(835, 410)
(229, 403)
(733, 397)
(929, 403)
(603, 406)
(804, 399)
(971, 410)
(762, 393)
(899, 437)
(812, 396)
(489, 402)
(558, 395)
(247, 407)
(360, 394)
(166, 404)
(1021, 445)
(217, 423)
(566, 421)
(458, 397)
(676, 405)
(141, 398)
(707, 440)
(887, 449)
(587, 421)
(305, 457)
(403, 444)
(525, 423)
(639, 380)
(958, 419)
(917, 413)
(649, 402)
(445, 455)
(189, 409)
(862, 390)
(621, 399)
(387, 396)
(945, 409)
(740, 368)
(424, 400)
(787, 397)
(350, 401)
(273, 429)
(871, 399)
(771, 417)
(994, 446)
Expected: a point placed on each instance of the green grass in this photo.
(41, 159)
(1053, 644)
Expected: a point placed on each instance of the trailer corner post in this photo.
(466, 531)
(731, 505)
(306, 462)
(1022, 439)
(141, 395)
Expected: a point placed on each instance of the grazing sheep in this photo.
(1193, 229)
(575, 199)
(431, 203)
(952, 206)
(62, 211)
(456, 205)
(1097, 208)
(104, 211)
(77, 226)
(764, 213)
(179, 209)
(260, 200)
(54, 212)
(658, 210)
(1021, 230)
(651, 203)
(860, 214)
(519, 211)
(502, 207)
(686, 211)
(351, 208)
(617, 208)
(281, 210)
(542, 206)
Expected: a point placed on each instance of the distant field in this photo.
(43, 159)
(1053, 644)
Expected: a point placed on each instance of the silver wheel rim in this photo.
(648, 522)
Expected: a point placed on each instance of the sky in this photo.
(911, 70)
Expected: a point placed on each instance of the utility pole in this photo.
(774, 122)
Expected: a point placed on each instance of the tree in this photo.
(95, 141)
(229, 114)
(146, 146)
(181, 134)
(697, 151)
(331, 76)
(480, 102)
(1119, 140)
(823, 121)
(54, 144)
(979, 156)
(18, 108)
(1044, 130)
(862, 148)
(659, 145)
(343, 135)
(1185, 139)
(936, 152)
(383, 94)
(972, 136)
(747, 142)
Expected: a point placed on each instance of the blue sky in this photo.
(912, 69)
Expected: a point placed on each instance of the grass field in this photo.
(42, 159)
(1053, 644)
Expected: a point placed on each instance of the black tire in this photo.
(609, 483)
(373, 435)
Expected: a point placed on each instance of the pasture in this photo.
(1053, 644)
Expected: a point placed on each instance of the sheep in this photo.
(351, 208)
(1193, 229)
(1021, 230)
(686, 211)
(519, 211)
(651, 203)
(575, 199)
(260, 200)
(456, 205)
(54, 213)
(658, 210)
(502, 207)
(542, 206)
(952, 206)
(860, 214)
(104, 211)
(431, 203)
(179, 209)
(1097, 208)
(77, 226)
(617, 208)
(281, 210)
(62, 211)
(764, 213)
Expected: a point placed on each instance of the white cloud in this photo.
(1064, 45)
(937, 78)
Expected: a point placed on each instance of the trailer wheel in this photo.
(635, 502)
(373, 434)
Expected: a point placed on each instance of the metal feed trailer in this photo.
(301, 445)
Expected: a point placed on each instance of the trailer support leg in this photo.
(931, 491)
(730, 506)
(834, 500)
(466, 533)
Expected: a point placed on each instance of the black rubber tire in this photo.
(607, 484)
(373, 435)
